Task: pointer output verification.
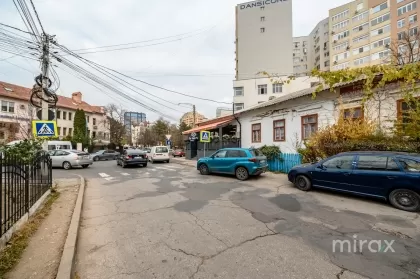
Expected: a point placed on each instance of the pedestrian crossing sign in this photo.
(204, 136)
(44, 129)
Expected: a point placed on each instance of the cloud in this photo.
(81, 24)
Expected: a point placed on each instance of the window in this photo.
(64, 131)
(409, 165)
(341, 15)
(403, 111)
(239, 106)
(412, 19)
(59, 131)
(256, 132)
(70, 115)
(71, 131)
(361, 49)
(353, 113)
(262, 8)
(93, 134)
(342, 46)
(360, 16)
(263, 18)
(399, 1)
(380, 19)
(361, 61)
(340, 24)
(361, 38)
(341, 35)
(296, 60)
(162, 149)
(236, 154)
(379, 8)
(364, 26)
(220, 154)
(412, 31)
(309, 125)
(380, 55)
(262, 89)
(262, 30)
(279, 130)
(380, 31)
(401, 23)
(64, 115)
(376, 163)
(277, 88)
(407, 8)
(94, 121)
(342, 56)
(383, 42)
(339, 163)
(7, 106)
(87, 119)
(238, 91)
(401, 35)
(2, 135)
(359, 7)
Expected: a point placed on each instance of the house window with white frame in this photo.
(342, 46)
(382, 42)
(401, 23)
(380, 31)
(340, 25)
(361, 61)
(380, 19)
(309, 125)
(364, 26)
(342, 35)
(362, 38)
(339, 16)
(238, 91)
(277, 88)
(412, 19)
(256, 132)
(361, 16)
(239, 106)
(262, 29)
(380, 55)
(7, 106)
(262, 89)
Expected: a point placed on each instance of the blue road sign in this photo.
(168, 142)
(44, 129)
(205, 136)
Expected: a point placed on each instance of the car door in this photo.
(233, 157)
(411, 170)
(54, 159)
(60, 157)
(375, 175)
(216, 160)
(334, 173)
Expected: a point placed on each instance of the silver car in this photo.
(68, 159)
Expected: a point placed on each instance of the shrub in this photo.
(271, 151)
(25, 150)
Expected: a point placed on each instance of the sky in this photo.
(200, 62)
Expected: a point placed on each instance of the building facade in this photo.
(17, 115)
(132, 120)
(264, 38)
(301, 56)
(188, 118)
(223, 112)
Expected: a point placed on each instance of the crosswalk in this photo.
(136, 172)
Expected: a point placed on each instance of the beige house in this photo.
(188, 118)
(16, 115)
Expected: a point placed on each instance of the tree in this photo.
(80, 128)
(160, 129)
(115, 124)
(405, 50)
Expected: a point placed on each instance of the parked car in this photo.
(241, 162)
(132, 157)
(178, 153)
(68, 159)
(390, 176)
(105, 155)
(159, 154)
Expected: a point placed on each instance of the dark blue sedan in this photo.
(391, 176)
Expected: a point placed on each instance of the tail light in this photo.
(128, 157)
(254, 160)
(145, 156)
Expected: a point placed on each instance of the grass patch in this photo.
(20, 240)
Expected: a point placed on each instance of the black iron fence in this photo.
(23, 181)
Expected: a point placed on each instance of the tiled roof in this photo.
(22, 93)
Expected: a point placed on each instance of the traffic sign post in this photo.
(205, 138)
(168, 142)
(44, 128)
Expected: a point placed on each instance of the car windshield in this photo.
(256, 153)
(161, 150)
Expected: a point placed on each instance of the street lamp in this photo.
(193, 106)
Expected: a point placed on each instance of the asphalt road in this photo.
(167, 221)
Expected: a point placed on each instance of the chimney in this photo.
(77, 97)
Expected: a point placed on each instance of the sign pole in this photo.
(204, 149)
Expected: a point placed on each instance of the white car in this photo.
(159, 154)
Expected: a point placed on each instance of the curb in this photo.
(65, 269)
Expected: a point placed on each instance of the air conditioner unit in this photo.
(360, 28)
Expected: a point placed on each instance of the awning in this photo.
(210, 126)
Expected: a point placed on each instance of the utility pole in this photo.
(194, 116)
(45, 67)
(194, 112)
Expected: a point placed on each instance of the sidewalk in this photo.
(42, 256)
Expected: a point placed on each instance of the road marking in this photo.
(124, 173)
(109, 178)
(103, 174)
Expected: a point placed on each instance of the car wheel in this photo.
(241, 173)
(204, 169)
(303, 183)
(95, 159)
(167, 161)
(85, 166)
(405, 200)
(66, 165)
(144, 165)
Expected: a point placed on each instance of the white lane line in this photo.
(103, 174)
(109, 178)
(125, 174)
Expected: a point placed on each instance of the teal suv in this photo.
(241, 162)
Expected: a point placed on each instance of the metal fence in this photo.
(23, 182)
(285, 162)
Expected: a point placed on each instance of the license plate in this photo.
(85, 157)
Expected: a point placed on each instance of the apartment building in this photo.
(188, 118)
(16, 115)
(301, 56)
